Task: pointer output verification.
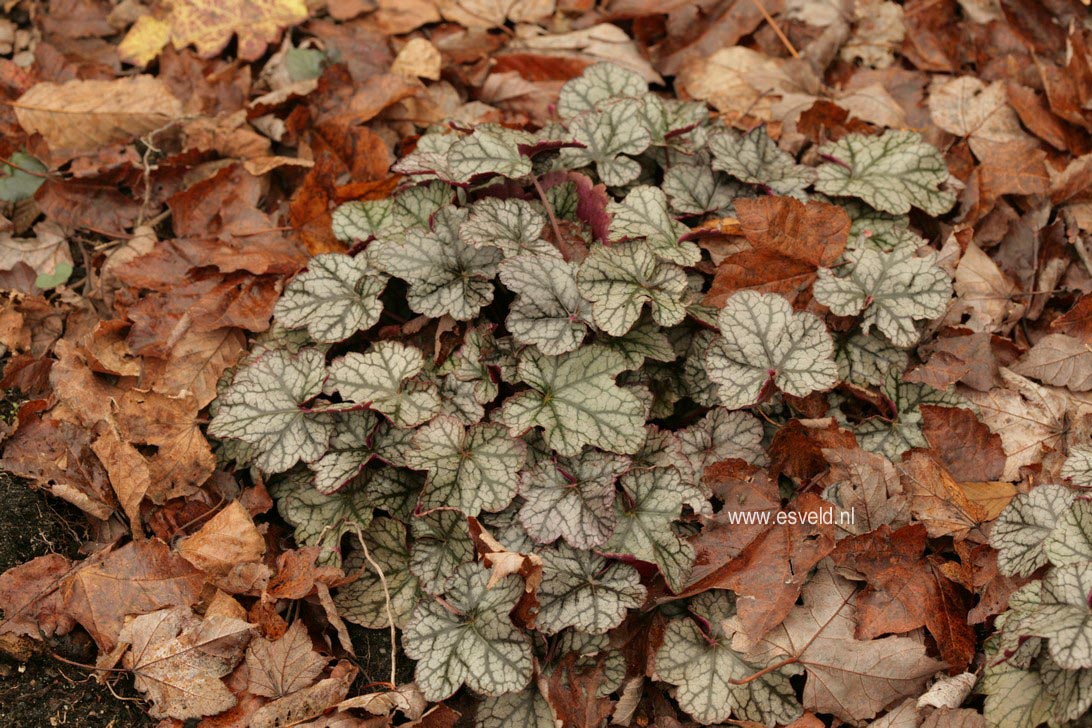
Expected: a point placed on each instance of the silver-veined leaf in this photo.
(445, 274)
(580, 589)
(572, 498)
(393, 216)
(702, 666)
(321, 520)
(892, 172)
(1064, 617)
(470, 469)
(865, 360)
(620, 279)
(754, 158)
(574, 398)
(470, 639)
(763, 340)
(694, 188)
(526, 709)
(548, 311)
(599, 83)
(720, 435)
(383, 379)
(263, 407)
(514, 226)
(349, 451)
(654, 501)
(1078, 466)
(441, 541)
(1070, 542)
(365, 601)
(333, 299)
(608, 139)
(1020, 532)
(893, 289)
(644, 214)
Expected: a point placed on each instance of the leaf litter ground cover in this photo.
(418, 362)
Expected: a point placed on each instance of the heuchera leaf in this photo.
(526, 708)
(701, 665)
(348, 452)
(892, 437)
(548, 309)
(865, 360)
(321, 520)
(580, 589)
(893, 289)
(574, 399)
(514, 226)
(654, 501)
(365, 601)
(441, 542)
(1023, 527)
(721, 435)
(644, 214)
(572, 498)
(1064, 616)
(333, 299)
(693, 188)
(1078, 466)
(445, 274)
(754, 158)
(1070, 542)
(263, 407)
(620, 279)
(471, 469)
(891, 172)
(470, 639)
(606, 138)
(392, 217)
(599, 83)
(763, 340)
(383, 379)
(459, 158)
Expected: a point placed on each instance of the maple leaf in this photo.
(178, 660)
(789, 240)
(846, 677)
(280, 667)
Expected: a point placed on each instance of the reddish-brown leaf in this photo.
(797, 448)
(30, 598)
(789, 241)
(962, 444)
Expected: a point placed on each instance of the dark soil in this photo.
(40, 691)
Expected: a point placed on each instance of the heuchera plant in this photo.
(516, 344)
(1039, 664)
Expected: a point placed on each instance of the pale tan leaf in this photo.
(1061, 360)
(418, 59)
(227, 539)
(281, 667)
(82, 116)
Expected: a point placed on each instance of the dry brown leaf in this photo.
(849, 678)
(226, 540)
(30, 598)
(195, 364)
(311, 702)
(494, 13)
(1029, 418)
(44, 253)
(1060, 360)
(985, 298)
(137, 578)
(936, 499)
(281, 667)
(178, 660)
(969, 108)
(418, 59)
(866, 484)
(82, 116)
(129, 475)
(991, 495)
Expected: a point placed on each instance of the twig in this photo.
(386, 604)
(31, 172)
(776, 28)
(549, 212)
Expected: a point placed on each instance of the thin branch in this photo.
(386, 604)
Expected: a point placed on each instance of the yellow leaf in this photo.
(144, 41)
(209, 25)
